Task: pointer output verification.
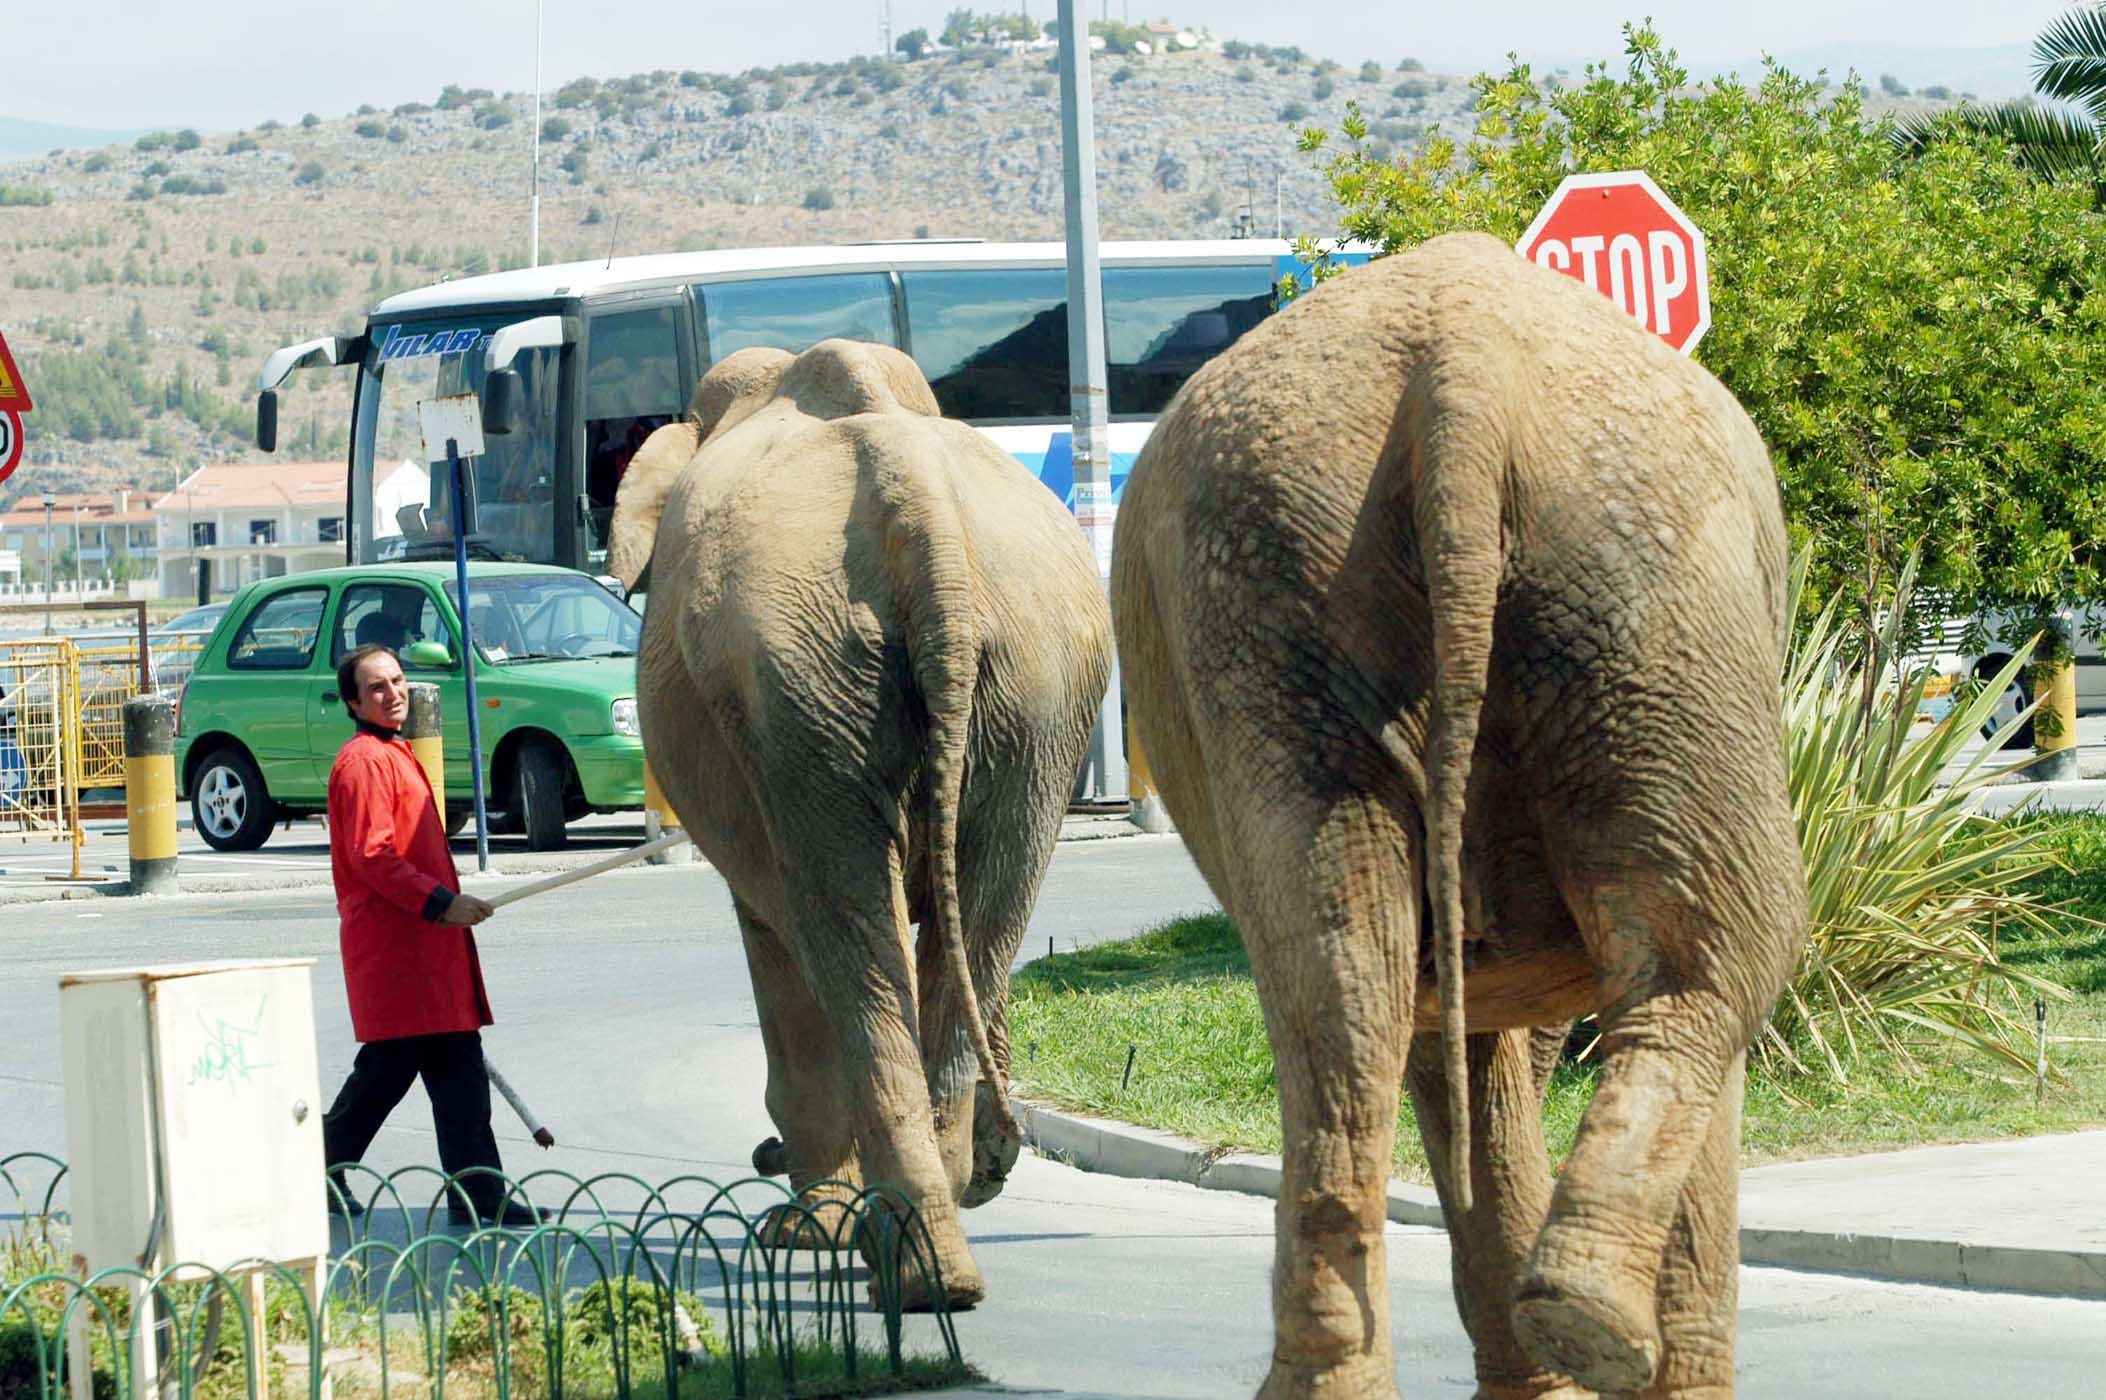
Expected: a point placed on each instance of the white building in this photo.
(95, 537)
(226, 526)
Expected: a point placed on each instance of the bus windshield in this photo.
(402, 505)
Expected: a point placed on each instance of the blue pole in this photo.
(459, 472)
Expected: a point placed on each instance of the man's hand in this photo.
(467, 911)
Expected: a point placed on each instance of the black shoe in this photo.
(342, 1203)
(515, 1215)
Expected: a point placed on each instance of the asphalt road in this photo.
(625, 1016)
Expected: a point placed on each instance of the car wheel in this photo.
(228, 804)
(537, 796)
(457, 819)
(2008, 704)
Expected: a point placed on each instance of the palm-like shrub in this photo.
(2069, 65)
(1907, 887)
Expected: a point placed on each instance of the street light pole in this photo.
(1089, 413)
(50, 560)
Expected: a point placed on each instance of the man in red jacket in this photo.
(410, 968)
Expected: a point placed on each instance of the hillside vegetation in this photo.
(146, 281)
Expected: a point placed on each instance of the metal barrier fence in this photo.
(667, 1292)
(40, 743)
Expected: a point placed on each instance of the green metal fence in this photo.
(677, 1291)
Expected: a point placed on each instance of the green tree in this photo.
(1918, 340)
(2069, 65)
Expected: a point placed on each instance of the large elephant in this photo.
(1450, 603)
(872, 655)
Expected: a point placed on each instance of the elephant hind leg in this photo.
(849, 918)
(1490, 1241)
(1688, 960)
(1700, 1278)
(1335, 953)
(806, 1095)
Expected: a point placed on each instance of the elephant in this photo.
(872, 655)
(1450, 604)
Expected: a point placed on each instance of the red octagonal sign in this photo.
(1621, 236)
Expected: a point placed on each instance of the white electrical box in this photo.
(193, 1114)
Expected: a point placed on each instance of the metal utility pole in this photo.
(1086, 374)
(886, 52)
(534, 204)
(50, 560)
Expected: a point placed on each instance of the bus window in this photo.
(1162, 323)
(632, 388)
(514, 485)
(993, 342)
(796, 313)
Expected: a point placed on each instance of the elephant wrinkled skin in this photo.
(1450, 603)
(874, 649)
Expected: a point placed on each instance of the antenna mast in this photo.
(886, 52)
(534, 205)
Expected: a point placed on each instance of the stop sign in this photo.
(1621, 236)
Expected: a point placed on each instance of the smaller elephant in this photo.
(873, 654)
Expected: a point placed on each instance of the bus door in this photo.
(639, 371)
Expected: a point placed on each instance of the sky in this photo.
(223, 64)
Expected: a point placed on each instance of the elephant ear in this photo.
(640, 499)
(733, 388)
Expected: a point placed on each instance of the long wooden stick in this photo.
(511, 1096)
(586, 872)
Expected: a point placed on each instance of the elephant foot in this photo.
(1365, 1377)
(771, 1158)
(1603, 1340)
(995, 1151)
(961, 1288)
(1548, 1390)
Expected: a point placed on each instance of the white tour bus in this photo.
(584, 360)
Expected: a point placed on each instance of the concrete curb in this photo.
(1120, 1149)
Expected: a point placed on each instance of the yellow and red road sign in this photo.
(14, 402)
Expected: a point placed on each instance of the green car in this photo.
(259, 722)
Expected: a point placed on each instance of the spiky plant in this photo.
(1907, 886)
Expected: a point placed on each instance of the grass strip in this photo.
(1181, 997)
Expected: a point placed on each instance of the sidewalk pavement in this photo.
(2020, 1214)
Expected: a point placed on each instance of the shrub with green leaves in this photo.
(1919, 340)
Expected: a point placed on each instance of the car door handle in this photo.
(328, 697)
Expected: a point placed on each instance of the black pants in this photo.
(452, 1068)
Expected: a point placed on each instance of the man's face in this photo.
(383, 694)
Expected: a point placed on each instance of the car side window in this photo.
(387, 614)
(279, 633)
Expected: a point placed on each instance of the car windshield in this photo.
(546, 617)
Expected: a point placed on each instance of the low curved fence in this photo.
(675, 1291)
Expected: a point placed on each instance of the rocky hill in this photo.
(146, 281)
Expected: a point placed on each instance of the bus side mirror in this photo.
(502, 395)
(267, 420)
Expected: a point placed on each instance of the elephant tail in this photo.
(943, 649)
(1458, 507)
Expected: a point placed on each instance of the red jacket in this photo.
(406, 973)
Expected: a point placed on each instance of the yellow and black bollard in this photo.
(427, 738)
(149, 792)
(659, 820)
(2055, 724)
(1146, 809)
